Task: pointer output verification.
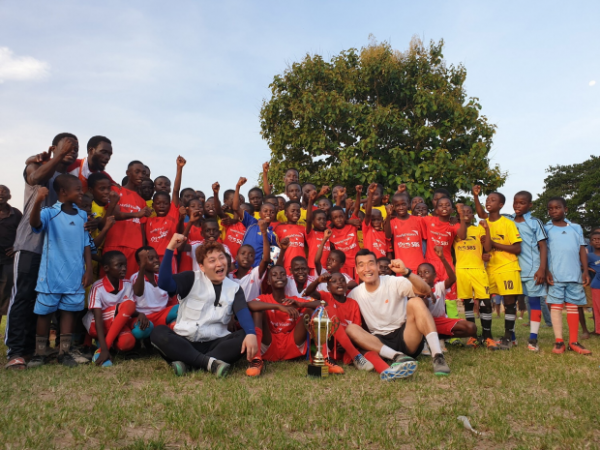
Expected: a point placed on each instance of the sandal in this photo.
(16, 363)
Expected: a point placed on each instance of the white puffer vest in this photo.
(198, 319)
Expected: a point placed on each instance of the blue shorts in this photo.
(498, 299)
(530, 289)
(49, 303)
(566, 292)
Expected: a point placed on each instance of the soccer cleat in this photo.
(402, 358)
(473, 342)
(426, 351)
(440, 367)
(533, 345)
(491, 344)
(578, 348)
(514, 342)
(559, 347)
(36, 361)
(107, 363)
(179, 368)
(362, 363)
(219, 368)
(255, 367)
(399, 370)
(504, 344)
(455, 342)
(333, 367)
(67, 360)
(79, 357)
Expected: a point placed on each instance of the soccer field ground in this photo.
(515, 399)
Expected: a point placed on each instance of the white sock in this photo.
(434, 343)
(387, 352)
(534, 327)
(210, 362)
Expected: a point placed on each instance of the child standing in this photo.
(566, 257)
(406, 233)
(344, 235)
(374, 237)
(162, 227)
(294, 232)
(66, 267)
(316, 223)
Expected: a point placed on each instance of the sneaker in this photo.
(533, 345)
(426, 351)
(559, 347)
(578, 348)
(455, 342)
(440, 367)
(67, 360)
(219, 368)
(333, 367)
(504, 344)
(473, 342)
(107, 363)
(402, 358)
(514, 342)
(399, 370)
(491, 344)
(79, 357)
(362, 363)
(443, 346)
(255, 367)
(179, 368)
(36, 361)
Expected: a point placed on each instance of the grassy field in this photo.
(516, 399)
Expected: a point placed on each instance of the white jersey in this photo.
(438, 292)
(101, 297)
(154, 298)
(291, 289)
(251, 283)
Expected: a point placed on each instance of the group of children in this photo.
(103, 244)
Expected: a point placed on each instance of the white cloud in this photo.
(21, 67)
(592, 83)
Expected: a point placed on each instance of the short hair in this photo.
(162, 176)
(249, 207)
(500, 195)
(96, 177)
(134, 162)
(306, 184)
(95, 141)
(365, 252)
(107, 257)
(325, 199)
(267, 204)
(318, 211)
(557, 199)
(380, 187)
(146, 180)
(399, 195)
(228, 193)
(161, 194)
(208, 247)
(427, 264)
(525, 194)
(447, 198)
(256, 189)
(248, 246)
(291, 184)
(446, 192)
(384, 259)
(64, 181)
(336, 208)
(340, 254)
(184, 190)
(87, 196)
(199, 193)
(141, 249)
(210, 220)
(290, 203)
(294, 169)
(298, 259)
(595, 233)
(59, 137)
(125, 180)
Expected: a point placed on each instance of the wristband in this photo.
(407, 274)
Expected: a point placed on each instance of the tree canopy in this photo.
(578, 184)
(379, 115)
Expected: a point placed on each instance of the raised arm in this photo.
(35, 219)
(448, 282)
(311, 289)
(177, 184)
(309, 211)
(140, 282)
(419, 286)
(369, 205)
(487, 242)
(359, 189)
(265, 177)
(266, 256)
(478, 207)
(38, 173)
(318, 266)
(283, 246)
(236, 198)
(218, 210)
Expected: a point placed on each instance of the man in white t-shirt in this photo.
(399, 321)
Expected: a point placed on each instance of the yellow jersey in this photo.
(282, 219)
(380, 208)
(97, 212)
(503, 231)
(468, 251)
(150, 204)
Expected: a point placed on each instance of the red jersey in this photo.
(280, 322)
(313, 240)
(348, 312)
(297, 236)
(159, 231)
(127, 233)
(195, 234)
(439, 233)
(408, 238)
(375, 240)
(234, 236)
(173, 212)
(346, 240)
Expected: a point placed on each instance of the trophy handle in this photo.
(335, 324)
(308, 324)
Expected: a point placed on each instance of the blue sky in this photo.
(167, 78)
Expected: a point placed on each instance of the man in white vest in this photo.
(207, 301)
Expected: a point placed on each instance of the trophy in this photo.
(321, 328)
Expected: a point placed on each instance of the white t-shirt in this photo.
(385, 309)
(154, 298)
(291, 289)
(101, 297)
(438, 309)
(251, 284)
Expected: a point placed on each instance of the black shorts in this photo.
(395, 340)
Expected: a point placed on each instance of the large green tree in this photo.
(579, 185)
(379, 115)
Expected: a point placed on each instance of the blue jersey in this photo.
(531, 231)
(594, 264)
(253, 237)
(564, 244)
(63, 265)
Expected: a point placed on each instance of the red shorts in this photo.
(108, 316)
(444, 325)
(282, 347)
(159, 317)
(132, 265)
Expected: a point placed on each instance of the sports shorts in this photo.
(282, 348)
(530, 289)
(445, 325)
(48, 303)
(560, 293)
(395, 340)
(160, 317)
(472, 283)
(505, 283)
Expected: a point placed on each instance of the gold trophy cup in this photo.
(321, 328)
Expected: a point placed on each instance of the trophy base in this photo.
(318, 371)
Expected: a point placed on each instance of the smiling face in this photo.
(444, 207)
(100, 156)
(337, 284)
(214, 265)
(72, 193)
(209, 208)
(299, 271)
(277, 277)
(292, 213)
(383, 267)
(152, 261)
(427, 272)
(366, 268)
(135, 174)
(420, 210)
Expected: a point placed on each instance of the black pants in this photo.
(177, 348)
(21, 323)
